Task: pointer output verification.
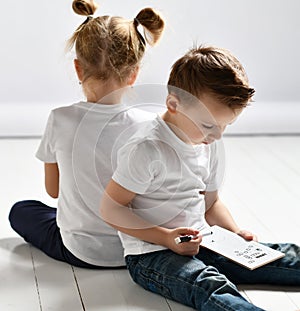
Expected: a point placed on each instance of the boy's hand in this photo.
(247, 235)
(190, 248)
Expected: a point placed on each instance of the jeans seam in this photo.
(172, 279)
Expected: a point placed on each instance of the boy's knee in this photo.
(212, 280)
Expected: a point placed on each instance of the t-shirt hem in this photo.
(45, 159)
(100, 263)
(128, 252)
(211, 188)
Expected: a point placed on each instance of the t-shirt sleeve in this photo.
(216, 167)
(46, 152)
(135, 167)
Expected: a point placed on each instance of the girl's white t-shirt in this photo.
(83, 139)
(169, 177)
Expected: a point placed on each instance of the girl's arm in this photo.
(52, 179)
(114, 210)
(218, 214)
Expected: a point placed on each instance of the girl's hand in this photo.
(247, 235)
(190, 248)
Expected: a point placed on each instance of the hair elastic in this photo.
(87, 19)
(136, 23)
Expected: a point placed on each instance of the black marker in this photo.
(187, 238)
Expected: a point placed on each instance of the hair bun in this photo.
(153, 24)
(84, 7)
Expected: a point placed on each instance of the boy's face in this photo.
(205, 121)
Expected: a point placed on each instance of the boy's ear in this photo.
(78, 69)
(172, 103)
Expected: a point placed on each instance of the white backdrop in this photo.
(36, 75)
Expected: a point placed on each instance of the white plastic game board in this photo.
(250, 254)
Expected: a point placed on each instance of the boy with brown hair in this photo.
(168, 174)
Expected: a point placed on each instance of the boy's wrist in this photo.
(164, 234)
(156, 235)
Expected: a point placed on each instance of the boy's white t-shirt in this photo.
(83, 140)
(169, 177)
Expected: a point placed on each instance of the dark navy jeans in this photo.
(36, 223)
(206, 281)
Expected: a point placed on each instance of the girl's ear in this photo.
(78, 69)
(172, 103)
(133, 76)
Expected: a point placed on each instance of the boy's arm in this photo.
(218, 214)
(52, 179)
(114, 210)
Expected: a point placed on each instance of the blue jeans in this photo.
(205, 281)
(36, 223)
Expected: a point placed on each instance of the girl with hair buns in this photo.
(78, 142)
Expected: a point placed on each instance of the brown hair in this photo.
(111, 47)
(211, 70)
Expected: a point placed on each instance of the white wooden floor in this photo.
(262, 189)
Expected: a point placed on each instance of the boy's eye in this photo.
(209, 127)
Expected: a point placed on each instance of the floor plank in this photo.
(294, 295)
(271, 300)
(17, 286)
(175, 306)
(56, 284)
(113, 290)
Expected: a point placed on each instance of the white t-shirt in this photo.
(83, 140)
(168, 176)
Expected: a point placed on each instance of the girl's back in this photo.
(83, 139)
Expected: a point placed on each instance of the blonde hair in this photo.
(208, 69)
(111, 46)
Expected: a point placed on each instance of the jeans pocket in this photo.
(154, 282)
(146, 276)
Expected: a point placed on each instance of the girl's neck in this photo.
(103, 92)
